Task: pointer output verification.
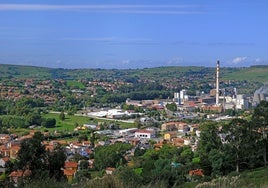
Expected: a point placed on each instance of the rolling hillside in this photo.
(254, 73)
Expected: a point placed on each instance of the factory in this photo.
(216, 100)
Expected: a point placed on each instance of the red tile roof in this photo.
(70, 164)
(69, 172)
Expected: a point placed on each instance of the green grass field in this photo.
(70, 120)
(72, 83)
(69, 123)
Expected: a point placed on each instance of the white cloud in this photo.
(107, 8)
(238, 60)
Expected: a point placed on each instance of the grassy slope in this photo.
(24, 71)
(255, 73)
(253, 179)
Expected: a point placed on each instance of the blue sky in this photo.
(133, 34)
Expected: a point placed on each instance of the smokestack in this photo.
(217, 82)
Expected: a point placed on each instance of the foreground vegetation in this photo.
(248, 179)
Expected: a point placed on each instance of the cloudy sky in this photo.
(133, 34)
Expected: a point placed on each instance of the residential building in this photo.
(145, 134)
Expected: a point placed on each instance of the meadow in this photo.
(71, 121)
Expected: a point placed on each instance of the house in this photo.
(179, 142)
(90, 126)
(3, 161)
(12, 143)
(197, 172)
(3, 164)
(4, 138)
(4, 151)
(16, 176)
(70, 168)
(90, 163)
(49, 148)
(182, 127)
(134, 141)
(145, 134)
(14, 152)
(109, 170)
(170, 135)
(170, 126)
(127, 132)
(70, 165)
(69, 174)
(158, 107)
(115, 114)
(158, 146)
(54, 143)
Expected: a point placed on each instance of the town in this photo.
(173, 123)
(133, 94)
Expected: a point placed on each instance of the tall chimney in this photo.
(217, 82)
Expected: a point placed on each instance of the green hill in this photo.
(254, 73)
(18, 71)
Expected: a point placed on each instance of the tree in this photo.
(260, 123)
(110, 156)
(186, 155)
(56, 161)
(172, 107)
(139, 152)
(168, 152)
(92, 139)
(238, 137)
(33, 118)
(129, 177)
(163, 172)
(41, 163)
(221, 161)
(82, 137)
(209, 140)
(32, 154)
(62, 116)
(49, 122)
(83, 174)
(83, 165)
